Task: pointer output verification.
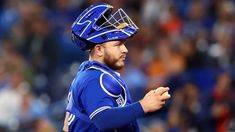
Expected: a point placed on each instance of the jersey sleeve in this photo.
(95, 98)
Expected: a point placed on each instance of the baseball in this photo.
(166, 93)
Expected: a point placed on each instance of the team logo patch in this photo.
(120, 101)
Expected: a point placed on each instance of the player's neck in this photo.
(98, 59)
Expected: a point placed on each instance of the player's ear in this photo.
(99, 50)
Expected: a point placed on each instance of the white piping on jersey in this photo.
(71, 118)
(92, 67)
(106, 91)
(99, 110)
(118, 73)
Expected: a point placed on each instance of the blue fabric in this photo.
(93, 97)
(87, 99)
(117, 117)
(111, 85)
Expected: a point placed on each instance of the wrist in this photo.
(143, 106)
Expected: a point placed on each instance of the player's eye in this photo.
(119, 43)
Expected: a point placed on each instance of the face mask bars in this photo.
(117, 20)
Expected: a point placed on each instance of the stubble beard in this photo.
(113, 63)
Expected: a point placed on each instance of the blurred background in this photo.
(187, 45)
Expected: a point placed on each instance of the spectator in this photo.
(222, 108)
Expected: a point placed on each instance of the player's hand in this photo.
(65, 127)
(155, 99)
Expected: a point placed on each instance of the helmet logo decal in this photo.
(88, 21)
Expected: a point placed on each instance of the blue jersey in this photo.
(94, 89)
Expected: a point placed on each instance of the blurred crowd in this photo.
(187, 45)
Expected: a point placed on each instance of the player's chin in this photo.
(119, 65)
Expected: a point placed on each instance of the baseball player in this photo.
(98, 97)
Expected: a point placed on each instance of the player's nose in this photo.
(124, 49)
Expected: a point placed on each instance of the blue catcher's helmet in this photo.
(97, 25)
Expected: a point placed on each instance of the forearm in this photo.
(118, 117)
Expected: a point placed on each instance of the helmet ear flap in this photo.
(81, 42)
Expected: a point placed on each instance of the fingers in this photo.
(161, 93)
(161, 90)
(165, 97)
(155, 99)
(160, 104)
